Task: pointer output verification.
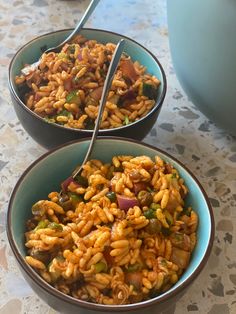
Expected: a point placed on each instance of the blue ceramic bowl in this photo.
(45, 175)
(51, 135)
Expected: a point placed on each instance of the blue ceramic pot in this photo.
(203, 47)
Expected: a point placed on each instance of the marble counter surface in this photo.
(180, 130)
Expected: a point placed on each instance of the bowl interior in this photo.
(33, 50)
(45, 176)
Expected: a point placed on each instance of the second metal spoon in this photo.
(29, 68)
(108, 81)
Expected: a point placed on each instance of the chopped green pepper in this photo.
(64, 112)
(150, 213)
(155, 206)
(100, 267)
(149, 91)
(49, 120)
(62, 55)
(55, 226)
(169, 218)
(111, 196)
(38, 209)
(75, 197)
(42, 225)
(71, 49)
(73, 97)
(149, 189)
(81, 180)
(126, 120)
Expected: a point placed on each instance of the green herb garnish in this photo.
(149, 91)
(111, 196)
(150, 213)
(55, 226)
(65, 113)
(42, 225)
(126, 120)
(73, 97)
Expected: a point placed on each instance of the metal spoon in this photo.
(110, 74)
(29, 68)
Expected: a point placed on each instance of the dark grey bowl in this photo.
(45, 175)
(51, 135)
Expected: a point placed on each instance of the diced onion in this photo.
(180, 257)
(126, 202)
(67, 182)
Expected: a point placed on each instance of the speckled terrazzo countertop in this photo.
(180, 130)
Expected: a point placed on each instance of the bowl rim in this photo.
(155, 108)
(100, 307)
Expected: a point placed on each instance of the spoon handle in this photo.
(82, 21)
(108, 81)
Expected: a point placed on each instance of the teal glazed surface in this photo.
(46, 174)
(203, 47)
